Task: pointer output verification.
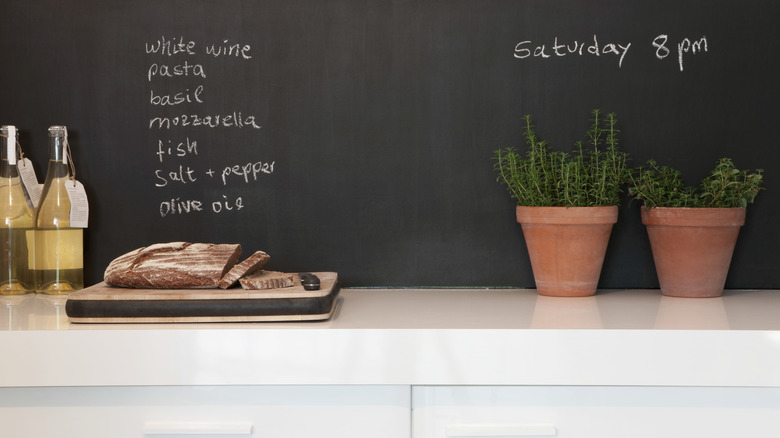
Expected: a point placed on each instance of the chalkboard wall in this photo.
(356, 135)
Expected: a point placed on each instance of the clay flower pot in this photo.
(692, 247)
(567, 247)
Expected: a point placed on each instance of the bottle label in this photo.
(56, 249)
(79, 207)
(11, 152)
(32, 190)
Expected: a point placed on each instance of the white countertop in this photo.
(415, 337)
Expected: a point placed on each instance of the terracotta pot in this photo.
(692, 248)
(567, 247)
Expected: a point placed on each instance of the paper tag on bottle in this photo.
(79, 207)
(32, 190)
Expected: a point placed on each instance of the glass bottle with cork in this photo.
(59, 253)
(16, 257)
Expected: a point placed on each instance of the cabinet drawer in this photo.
(595, 412)
(209, 412)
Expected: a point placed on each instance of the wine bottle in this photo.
(16, 275)
(59, 251)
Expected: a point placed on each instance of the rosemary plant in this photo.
(591, 175)
(725, 186)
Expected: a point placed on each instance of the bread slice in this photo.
(247, 267)
(174, 265)
(268, 280)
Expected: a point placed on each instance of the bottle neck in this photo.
(7, 150)
(57, 160)
(57, 148)
(6, 143)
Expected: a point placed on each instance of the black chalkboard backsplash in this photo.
(356, 136)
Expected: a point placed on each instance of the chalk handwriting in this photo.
(182, 61)
(233, 120)
(683, 47)
(229, 49)
(183, 148)
(245, 171)
(530, 49)
(170, 47)
(178, 46)
(217, 206)
(178, 206)
(525, 49)
(169, 71)
(182, 175)
(661, 51)
(185, 96)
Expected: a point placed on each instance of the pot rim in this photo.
(693, 216)
(567, 215)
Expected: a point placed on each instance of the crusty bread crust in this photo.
(247, 267)
(174, 265)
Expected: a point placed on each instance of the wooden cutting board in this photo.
(104, 304)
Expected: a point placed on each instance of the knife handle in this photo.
(309, 281)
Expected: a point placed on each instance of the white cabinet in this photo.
(420, 363)
(290, 411)
(595, 412)
(206, 412)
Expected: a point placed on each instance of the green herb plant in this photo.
(725, 186)
(590, 175)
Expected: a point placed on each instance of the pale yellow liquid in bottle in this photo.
(59, 254)
(16, 275)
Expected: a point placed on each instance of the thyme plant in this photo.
(725, 186)
(592, 174)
